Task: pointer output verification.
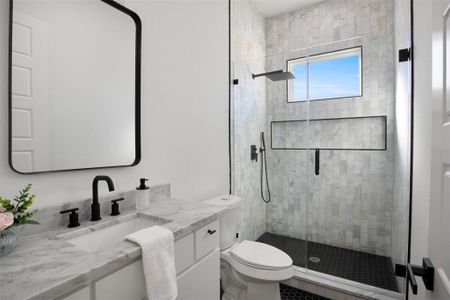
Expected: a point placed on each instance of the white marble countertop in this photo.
(44, 266)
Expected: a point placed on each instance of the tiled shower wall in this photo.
(248, 112)
(350, 204)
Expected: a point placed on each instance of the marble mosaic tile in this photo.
(350, 203)
(249, 113)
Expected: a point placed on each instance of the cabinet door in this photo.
(207, 239)
(202, 280)
(127, 283)
(184, 253)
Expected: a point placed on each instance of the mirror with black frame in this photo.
(74, 95)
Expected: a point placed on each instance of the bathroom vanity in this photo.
(196, 262)
(94, 261)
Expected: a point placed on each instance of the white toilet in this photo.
(248, 270)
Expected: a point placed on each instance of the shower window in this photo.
(323, 76)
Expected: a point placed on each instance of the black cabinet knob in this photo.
(73, 217)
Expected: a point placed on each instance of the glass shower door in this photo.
(351, 186)
(286, 130)
(264, 170)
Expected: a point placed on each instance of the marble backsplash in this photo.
(50, 217)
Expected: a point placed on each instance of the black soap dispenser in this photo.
(142, 195)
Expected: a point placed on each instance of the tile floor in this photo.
(353, 265)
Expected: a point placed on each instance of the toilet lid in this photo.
(261, 256)
(230, 201)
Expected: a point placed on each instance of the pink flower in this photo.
(2, 209)
(6, 220)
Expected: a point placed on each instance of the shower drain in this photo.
(314, 259)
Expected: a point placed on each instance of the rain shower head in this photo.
(278, 75)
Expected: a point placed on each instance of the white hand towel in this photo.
(158, 261)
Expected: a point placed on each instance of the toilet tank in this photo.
(228, 218)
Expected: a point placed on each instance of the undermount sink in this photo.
(104, 235)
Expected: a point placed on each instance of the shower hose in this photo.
(263, 160)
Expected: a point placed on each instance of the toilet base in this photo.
(238, 287)
(263, 291)
(254, 291)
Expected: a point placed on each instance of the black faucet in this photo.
(95, 206)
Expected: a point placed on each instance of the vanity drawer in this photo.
(206, 239)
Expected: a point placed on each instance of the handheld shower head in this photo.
(263, 143)
(278, 75)
(263, 170)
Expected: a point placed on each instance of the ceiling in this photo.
(270, 8)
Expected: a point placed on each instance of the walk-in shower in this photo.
(331, 187)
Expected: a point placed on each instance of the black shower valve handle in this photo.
(253, 153)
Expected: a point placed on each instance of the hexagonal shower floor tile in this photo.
(353, 265)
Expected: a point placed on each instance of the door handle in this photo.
(317, 161)
(426, 271)
(411, 278)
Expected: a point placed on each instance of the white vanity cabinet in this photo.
(197, 262)
(126, 283)
(202, 281)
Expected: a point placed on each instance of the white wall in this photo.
(184, 107)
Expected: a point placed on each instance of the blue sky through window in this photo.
(328, 78)
(299, 83)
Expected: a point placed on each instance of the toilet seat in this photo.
(261, 256)
(243, 261)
